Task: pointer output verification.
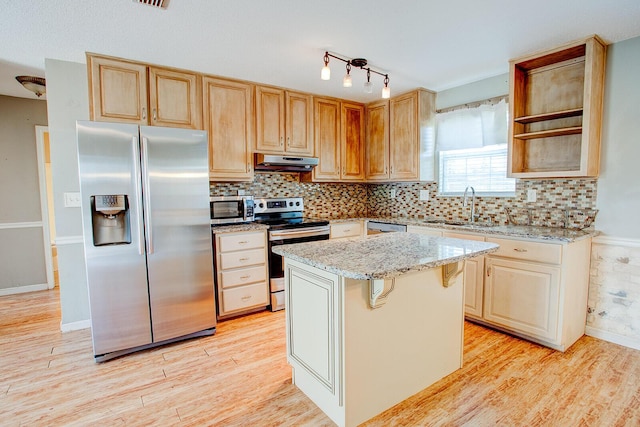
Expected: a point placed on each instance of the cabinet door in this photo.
(327, 139)
(352, 141)
(299, 123)
(404, 138)
(118, 91)
(377, 150)
(228, 118)
(270, 113)
(473, 278)
(174, 99)
(522, 296)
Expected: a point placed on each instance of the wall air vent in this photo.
(161, 4)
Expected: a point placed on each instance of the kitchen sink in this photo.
(460, 223)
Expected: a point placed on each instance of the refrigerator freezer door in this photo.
(177, 219)
(116, 274)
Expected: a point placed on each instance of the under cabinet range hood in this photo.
(276, 163)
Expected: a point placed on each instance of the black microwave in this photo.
(231, 209)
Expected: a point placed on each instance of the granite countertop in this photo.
(551, 234)
(245, 226)
(383, 256)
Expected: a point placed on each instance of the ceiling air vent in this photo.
(162, 4)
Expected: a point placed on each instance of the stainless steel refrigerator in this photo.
(147, 235)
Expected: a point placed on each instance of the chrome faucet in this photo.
(472, 214)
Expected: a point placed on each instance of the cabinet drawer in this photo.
(242, 259)
(244, 297)
(347, 229)
(243, 276)
(531, 251)
(236, 242)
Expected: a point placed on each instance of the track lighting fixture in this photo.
(361, 63)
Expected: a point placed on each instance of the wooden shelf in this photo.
(555, 110)
(549, 133)
(549, 116)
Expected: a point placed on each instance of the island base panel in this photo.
(382, 356)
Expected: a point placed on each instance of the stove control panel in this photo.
(284, 204)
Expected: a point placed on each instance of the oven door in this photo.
(276, 262)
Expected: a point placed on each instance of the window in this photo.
(471, 144)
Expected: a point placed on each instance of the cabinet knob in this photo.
(281, 140)
(246, 298)
(144, 113)
(488, 271)
(243, 242)
(288, 142)
(244, 259)
(520, 250)
(245, 277)
(155, 115)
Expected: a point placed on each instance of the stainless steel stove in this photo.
(287, 224)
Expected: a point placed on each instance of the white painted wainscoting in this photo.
(614, 291)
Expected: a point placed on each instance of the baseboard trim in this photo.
(612, 337)
(616, 241)
(75, 326)
(23, 289)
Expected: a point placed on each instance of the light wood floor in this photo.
(239, 377)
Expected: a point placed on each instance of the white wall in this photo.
(619, 183)
(68, 101)
(476, 91)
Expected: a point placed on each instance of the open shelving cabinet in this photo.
(555, 111)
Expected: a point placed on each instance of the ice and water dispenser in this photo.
(110, 220)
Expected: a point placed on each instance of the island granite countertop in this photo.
(383, 256)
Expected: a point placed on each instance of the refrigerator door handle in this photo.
(137, 177)
(147, 197)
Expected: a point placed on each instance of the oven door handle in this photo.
(307, 232)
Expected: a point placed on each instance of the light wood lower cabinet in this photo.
(347, 229)
(241, 272)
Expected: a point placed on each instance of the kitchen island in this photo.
(372, 321)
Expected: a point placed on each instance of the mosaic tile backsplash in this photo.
(559, 201)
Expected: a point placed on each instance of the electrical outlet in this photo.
(240, 192)
(424, 195)
(71, 200)
(531, 196)
(393, 193)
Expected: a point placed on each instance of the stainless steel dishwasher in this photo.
(377, 227)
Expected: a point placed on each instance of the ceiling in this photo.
(419, 43)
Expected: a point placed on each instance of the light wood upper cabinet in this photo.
(174, 99)
(118, 90)
(327, 140)
(131, 92)
(228, 118)
(556, 111)
(284, 121)
(377, 141)
(401, 138)
(339, 141)
(352, 142)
